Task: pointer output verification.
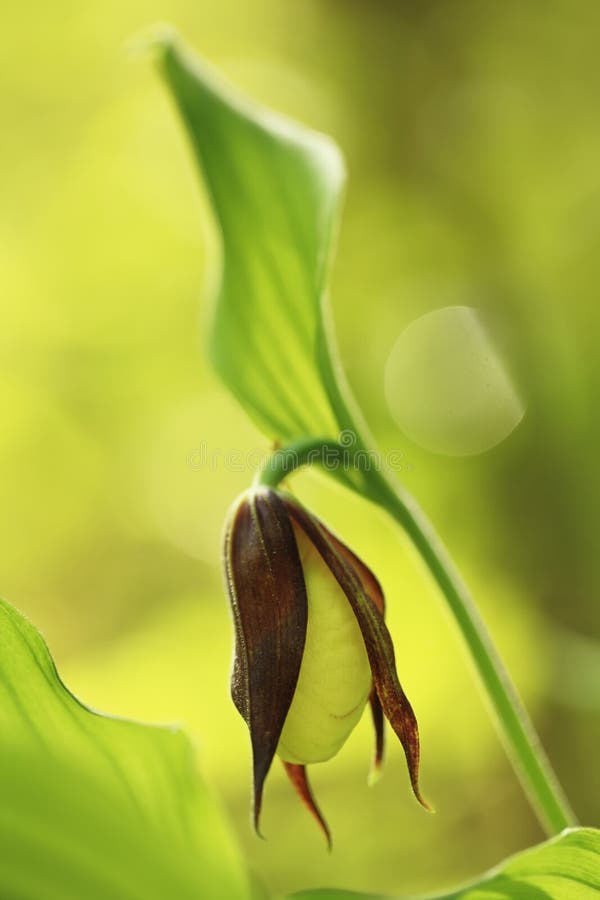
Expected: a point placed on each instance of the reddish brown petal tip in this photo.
(298, 777)
(401, 717)
(424, 803)
(405, 726)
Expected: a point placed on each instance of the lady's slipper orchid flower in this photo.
(311, 644)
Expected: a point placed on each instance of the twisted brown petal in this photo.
(376, 636)
(268, 600)
(372, 589)
(298, 777)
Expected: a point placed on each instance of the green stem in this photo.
(516, 729)
(330, 455)
(515, 726)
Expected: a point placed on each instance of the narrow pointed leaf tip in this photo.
(275, 188)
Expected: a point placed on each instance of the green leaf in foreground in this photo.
(275, 188)
(95, 807)
(564, 868)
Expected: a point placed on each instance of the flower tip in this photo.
(256, 808)
(326, 833)
(426, 806)
(324, 828)
(298, 777)
(374, 776)
(256, 826)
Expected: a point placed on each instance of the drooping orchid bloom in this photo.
(311, 644)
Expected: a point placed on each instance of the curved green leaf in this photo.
(276, 190)
(95, 807)
(564, 868)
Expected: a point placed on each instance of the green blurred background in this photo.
(472, 140)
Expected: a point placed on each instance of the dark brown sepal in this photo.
(370, 583)
(378, 642)
(268, 600)
(298, 777)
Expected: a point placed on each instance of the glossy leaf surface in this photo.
(93, 806)
(565, 868)
(275, 188)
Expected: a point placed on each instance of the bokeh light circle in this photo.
(448, 388)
